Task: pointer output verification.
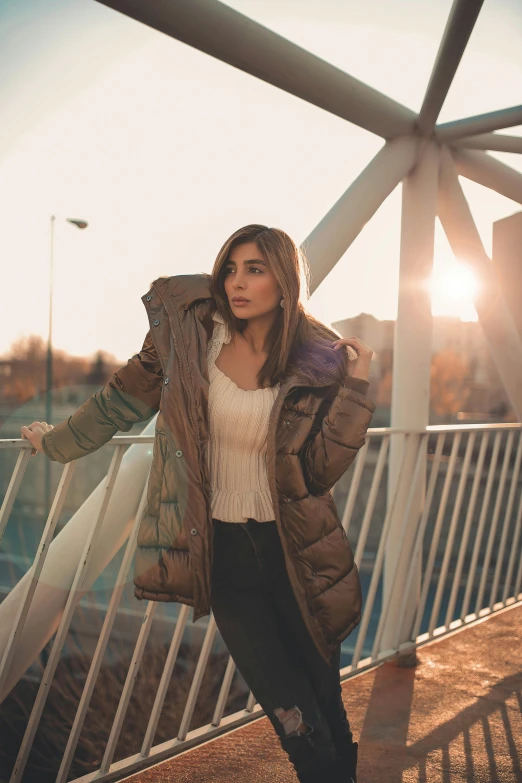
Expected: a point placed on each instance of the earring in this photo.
(282, 302)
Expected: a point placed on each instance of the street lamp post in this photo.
(49, 370)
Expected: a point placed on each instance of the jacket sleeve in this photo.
(131, 394)
(333, 446)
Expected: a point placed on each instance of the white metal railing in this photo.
(466, 543)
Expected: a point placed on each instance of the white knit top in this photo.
(238, 421)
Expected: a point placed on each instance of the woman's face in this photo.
(247, 274)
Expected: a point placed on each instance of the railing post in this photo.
(411, 389)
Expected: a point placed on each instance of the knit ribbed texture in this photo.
(237, 450)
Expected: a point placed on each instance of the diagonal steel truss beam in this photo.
(332, 237)
(490, 172)
(459, 27)
(482, 123)
(231, 37)
(491, 141)
(493, 312)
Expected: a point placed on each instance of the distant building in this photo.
(460, 341)
(507, 262)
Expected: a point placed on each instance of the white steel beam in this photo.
(27, 588)
(459, 27)
(490, 172)
(52, 590)
(482, 123)
(331, 238)
(220, 31)
(494, 315)
(490, 141)
(410, 401)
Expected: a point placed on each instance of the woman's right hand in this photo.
(34, 434)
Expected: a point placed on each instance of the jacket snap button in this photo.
(179, 453)
(167, 380)
(156, 322)
(149, 298)
(193, 532)
(314, 573)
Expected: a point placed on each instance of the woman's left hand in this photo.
(359, 356)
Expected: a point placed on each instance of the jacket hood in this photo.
(185, 290)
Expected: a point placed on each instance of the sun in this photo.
(453, 287)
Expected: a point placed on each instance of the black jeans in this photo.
(261, 624)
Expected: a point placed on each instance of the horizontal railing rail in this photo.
(466, 546)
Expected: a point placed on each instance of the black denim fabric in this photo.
(261, 624)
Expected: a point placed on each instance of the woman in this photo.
(261, 411)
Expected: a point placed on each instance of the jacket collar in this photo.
(185, 290)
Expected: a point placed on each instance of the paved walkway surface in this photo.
(455, 716)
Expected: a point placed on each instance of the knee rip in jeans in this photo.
(292, 721)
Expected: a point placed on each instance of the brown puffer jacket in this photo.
(314, 434)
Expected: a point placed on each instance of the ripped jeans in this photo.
(261, 624)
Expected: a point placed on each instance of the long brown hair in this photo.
(297, 342)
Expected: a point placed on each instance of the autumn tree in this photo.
(449, 390)
(28, 376)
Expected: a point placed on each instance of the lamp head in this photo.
(78, 223)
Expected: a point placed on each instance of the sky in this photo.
(166, 151)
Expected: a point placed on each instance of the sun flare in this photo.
(452, 291)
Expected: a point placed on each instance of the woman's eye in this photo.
(229, 269)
